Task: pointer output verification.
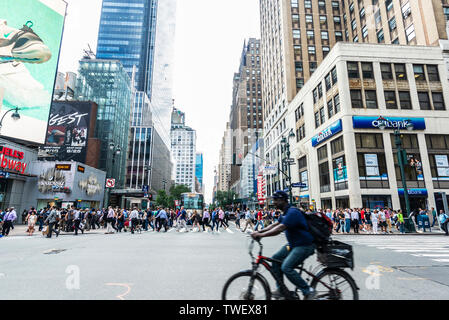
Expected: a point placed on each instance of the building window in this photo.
(334, 76)
(353, 70)
(406, 10)
(330, 108)
(309, 18)
(371, 99)
(322, 115)
(324, 35)
(356, 99)
(401, 73)
(299, 83)
(317, 120)
(390, 99)
(296, 34)
(294, 3)
(438, 101)
(311, 49)
(432, 73)
(328, 82)
(385, 69)
(338, 36)
(337, 103)
(418, 69)
(392, 24)
(324, 177)
(298, 66)
(308, 4)
(380, 36)
(295, 18)
(325, 51)
(410, 33)
(367, 70)
(312, 66)
(405, 100)
(364, 32)
(424, 101)
(322, 153)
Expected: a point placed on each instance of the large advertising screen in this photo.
(30, 40)
(68, 130)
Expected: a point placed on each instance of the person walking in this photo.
(237, 218)
(221, 219)
(348, 220)
(206, 218)
(375, 220)
(368, 222)
(355, 220)
(444, 220)
(52, 220)
(77, 220)
(214, 219)
(196, 221)
(110, 216)
(248, 220)
(401, 222)
(9, 219)
(162, 218)
(31, 219)
(182, 220)
(134, 217)
(388, 215)
(382, 221)
(259, 222)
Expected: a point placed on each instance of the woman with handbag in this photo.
(31, 219)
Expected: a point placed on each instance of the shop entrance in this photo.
(342, 203)
(416, 202)
(439, 201)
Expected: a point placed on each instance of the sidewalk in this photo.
(435, 231)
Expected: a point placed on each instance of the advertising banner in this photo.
(260, 188)
(371, 165)
(30, 40)
(340, 170)
(442, 165)
(304, 179)
(68, 131)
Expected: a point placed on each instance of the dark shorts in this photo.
(383, 223)
(369, 222)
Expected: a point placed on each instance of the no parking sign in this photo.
(110, 183)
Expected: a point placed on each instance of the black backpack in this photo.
(320, 226)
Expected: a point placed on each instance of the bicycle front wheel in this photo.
(335, 284)
(237, 287)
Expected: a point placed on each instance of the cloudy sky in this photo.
(209, 41)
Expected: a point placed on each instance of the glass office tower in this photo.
(128, 33)
(108, 84)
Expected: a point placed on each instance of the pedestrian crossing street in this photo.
(435, 248)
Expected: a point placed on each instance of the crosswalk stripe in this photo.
(430, 255)
(441, 260)
(421, 250)
(228, 230)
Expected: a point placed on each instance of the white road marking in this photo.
(229, 230)
(441, 260)
(430, 255)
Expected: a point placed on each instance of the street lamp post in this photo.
(286, 143)
(15, 116)
(115, 152)
(402, 160)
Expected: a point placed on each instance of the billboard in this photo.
(68, 130)
(30, 40)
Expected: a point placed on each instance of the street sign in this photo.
(299, 185)
(289, 161)
(110, 183)
(145, 188)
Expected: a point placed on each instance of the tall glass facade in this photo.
(127, 33)
(199, 170)
(106, 83)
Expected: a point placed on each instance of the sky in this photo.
(209, 40)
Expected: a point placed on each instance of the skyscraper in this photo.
(199, 172)
(183, 150)
(128, 33)
(296, 35)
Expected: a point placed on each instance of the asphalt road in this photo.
(166, 266)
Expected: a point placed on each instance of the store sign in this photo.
(81, 169)
(52, 180)
(335, 128)
(63, 167)
(12, 160)
(442, 165)
(270, 170)
(361, 122)
(4, 174)
(90, 185)
(413, 192)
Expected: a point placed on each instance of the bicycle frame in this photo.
(265, 261)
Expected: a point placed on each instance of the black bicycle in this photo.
(329, 280)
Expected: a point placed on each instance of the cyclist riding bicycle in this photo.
(300, 245)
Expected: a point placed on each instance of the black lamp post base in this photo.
(409, 226)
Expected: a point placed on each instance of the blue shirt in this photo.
(297, 232)
(183, 215)
(162, 214)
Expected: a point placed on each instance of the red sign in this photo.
(12, 164)
(261, 188)
(110, 183)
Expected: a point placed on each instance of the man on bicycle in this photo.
(300, 245)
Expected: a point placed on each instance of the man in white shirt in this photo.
(77, 221)
(134, 219)
(110, 220)
(248, 220)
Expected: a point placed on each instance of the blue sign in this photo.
(299, 185)
(360, 122)
(145, 188)
(335, 128)
(4, 174)
(413, 192)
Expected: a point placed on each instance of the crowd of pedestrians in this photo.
(115, 220)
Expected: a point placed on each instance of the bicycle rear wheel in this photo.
(340, 285)
(237, 288)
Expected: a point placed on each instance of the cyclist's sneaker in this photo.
(277, 295)
(311, 296)
(22, 44)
